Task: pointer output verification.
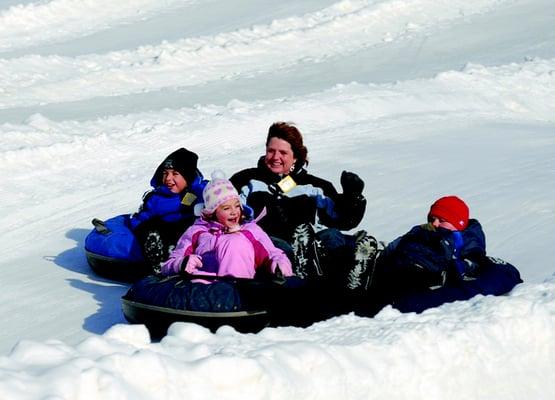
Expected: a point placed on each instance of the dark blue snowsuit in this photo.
(427, 267)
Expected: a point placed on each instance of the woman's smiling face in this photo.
(279, 156)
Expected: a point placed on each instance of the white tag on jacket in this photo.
(286, 184)
(188, 199)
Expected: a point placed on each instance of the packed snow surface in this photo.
(422, 98)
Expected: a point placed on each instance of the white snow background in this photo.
(422, 98)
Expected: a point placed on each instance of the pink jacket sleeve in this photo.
(183, 248)
(275, 255)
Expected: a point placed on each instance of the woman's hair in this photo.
(289, 132)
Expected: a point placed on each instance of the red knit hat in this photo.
(452, 209)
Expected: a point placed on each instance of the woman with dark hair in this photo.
(296, 200)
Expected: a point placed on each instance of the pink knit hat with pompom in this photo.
(217, 192)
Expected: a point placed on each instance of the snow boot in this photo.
(365, 254)
(154, 251)
(308, 252)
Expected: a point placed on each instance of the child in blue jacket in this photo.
(168, 209)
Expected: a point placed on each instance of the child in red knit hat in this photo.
(438, 262)
(449, 212)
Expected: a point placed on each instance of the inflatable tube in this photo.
(496, 277)
(114, 269)
(113, 252)
(248, 305)
(157, 319)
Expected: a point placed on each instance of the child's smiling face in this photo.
(174, 180)
(229, 214)
(438, 222)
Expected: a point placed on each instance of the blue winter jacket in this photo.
(169, 207)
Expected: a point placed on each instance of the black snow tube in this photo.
(157, 319)
(158, 301)
(116, 269)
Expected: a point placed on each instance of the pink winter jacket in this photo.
(235, 254)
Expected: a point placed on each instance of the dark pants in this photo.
(338, 254)
(169, 234)
(325, 296)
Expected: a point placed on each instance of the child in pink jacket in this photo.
(222, 243)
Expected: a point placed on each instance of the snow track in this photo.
(344, 28)
(422, 98)
(36, 23)
(475, 92)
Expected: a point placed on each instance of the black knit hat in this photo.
(181, 160)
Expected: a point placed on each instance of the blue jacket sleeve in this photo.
(158, 203)
(145, 212)
(495, 277)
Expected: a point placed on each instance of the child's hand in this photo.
(277, 273)
(275, 269)
(194, 262)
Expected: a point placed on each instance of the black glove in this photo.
(352, 184)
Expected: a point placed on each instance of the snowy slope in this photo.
(421, 97)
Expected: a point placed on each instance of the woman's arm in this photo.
(345, 210)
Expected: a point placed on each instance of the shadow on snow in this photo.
(106, 292)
